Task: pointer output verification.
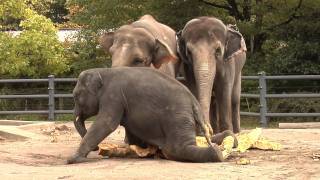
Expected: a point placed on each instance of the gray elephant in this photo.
(145, 42)
(154, 108)
(213, 55)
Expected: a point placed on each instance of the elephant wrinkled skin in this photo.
(213, 55)
(154, 108)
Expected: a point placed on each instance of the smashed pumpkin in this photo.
(247, 140)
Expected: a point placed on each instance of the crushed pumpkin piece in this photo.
(114, 150)
(144, 152)
(265, 144)
(226, 146)
(243, 161)
(201, 141)
(246, 140)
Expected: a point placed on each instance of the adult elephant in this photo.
(145, 42)
(213, 55)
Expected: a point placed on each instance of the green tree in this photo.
(36, 51)
(281, 32)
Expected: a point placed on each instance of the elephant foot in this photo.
(230, 133)
(217, 153)
(218, 138)
(235, 142)
(76, 159)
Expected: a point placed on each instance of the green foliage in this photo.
(108, 14)
(84, 53)
(52, 9)
(295, 48)
(11, 11)
(36, 52)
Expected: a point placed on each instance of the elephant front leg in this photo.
(101, 128)
(223, 96)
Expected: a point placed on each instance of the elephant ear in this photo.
(181, 47)
(162, 54)
(106, 40)
(93, 82)
(235, 43)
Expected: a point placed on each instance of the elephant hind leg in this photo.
(236, 91)
(193, 153)
(182, 146)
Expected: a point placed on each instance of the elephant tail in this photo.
(199, 119)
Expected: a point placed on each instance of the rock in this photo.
(62, 128)
(316, 156)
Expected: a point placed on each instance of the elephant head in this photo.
(135, 46)
(204, 45)
(86, 99)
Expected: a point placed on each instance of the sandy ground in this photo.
(44, 158)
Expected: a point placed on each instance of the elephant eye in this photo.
(218, 52)
(189, 55)
(188, 52)
(137, 61)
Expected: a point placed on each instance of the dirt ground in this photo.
(45, 158)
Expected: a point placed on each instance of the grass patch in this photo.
(251, 123)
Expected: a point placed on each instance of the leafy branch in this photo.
(290, 18)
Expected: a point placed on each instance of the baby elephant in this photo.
(154, 108)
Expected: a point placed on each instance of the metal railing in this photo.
(50, 96)
(263, 96)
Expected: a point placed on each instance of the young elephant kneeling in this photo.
(155, 109)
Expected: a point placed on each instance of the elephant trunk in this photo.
(204, 70)
(80, 126)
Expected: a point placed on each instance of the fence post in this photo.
(51, 97)
(263, 100)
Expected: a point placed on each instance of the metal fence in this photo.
(50, 96)
(263, 96)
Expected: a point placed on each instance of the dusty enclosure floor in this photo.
(44, 158)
